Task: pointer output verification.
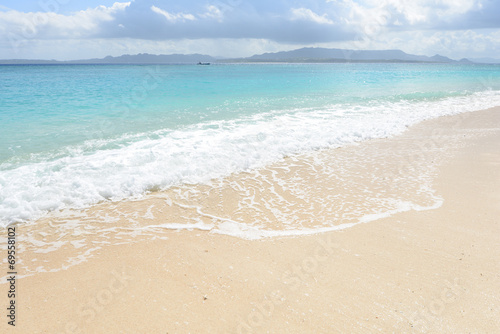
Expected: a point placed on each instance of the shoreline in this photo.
(412, 271)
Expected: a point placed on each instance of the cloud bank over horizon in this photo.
(59, 29)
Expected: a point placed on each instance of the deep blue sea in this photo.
(75, 135)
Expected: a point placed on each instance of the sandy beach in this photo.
(426, 264)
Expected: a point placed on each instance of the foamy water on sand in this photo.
(315, 192)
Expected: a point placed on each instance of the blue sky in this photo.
(71, 29)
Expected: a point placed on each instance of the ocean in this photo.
(72, 136)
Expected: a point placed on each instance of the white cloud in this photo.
(308, 15)
(173, 17)
(21, 26)
(213, 12)
(411, 12)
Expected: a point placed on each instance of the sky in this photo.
(72, 29)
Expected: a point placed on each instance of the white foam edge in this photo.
(244, 231)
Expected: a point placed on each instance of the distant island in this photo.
(303, 55)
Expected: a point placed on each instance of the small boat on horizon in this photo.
(200, 63)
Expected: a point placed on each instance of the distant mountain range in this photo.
(304, 55)
(141, 58)
(342, 55)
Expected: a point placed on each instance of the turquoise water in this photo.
(74, 135)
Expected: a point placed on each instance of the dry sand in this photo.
(428, 271)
